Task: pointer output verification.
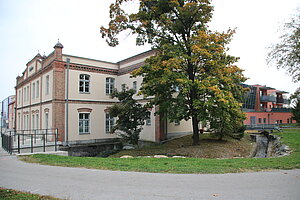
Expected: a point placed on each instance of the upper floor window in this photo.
(19, 98)
(33, 90)
(134, 86)
(28, 93)
(37, 89)
(24, 94)
(84, 83)
(84, 123)
(109, 85)
(47, 84)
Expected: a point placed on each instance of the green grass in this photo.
(7, 194)
(182, 165)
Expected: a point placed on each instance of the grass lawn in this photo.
(290, 137)
(6, 194)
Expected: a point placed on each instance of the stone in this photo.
(160, 156)
(178, 157)
(128, 147)
(126, 156)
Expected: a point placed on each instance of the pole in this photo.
(67, 102)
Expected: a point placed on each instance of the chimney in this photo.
(58, 50)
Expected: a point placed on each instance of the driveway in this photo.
(86, 184)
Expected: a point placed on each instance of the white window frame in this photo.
(28, 96)
(84, 123)
(33, 122)
(46, 120)
(85, 83)
(148, 121)
(37, 121)
(33, 90)
(109, 85)
(109, 123)
(37, 89)
(47, 84)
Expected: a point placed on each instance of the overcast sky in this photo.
(32, 26)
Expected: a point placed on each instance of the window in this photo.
(84, 83)
(47, 85)
(19, 122)
(280, 121)
(19, 98)
(109, 123)
(33, 90)
(84, 123)
(37, 89)
(33, 122)
(37, 121)
(123, 87)
(46, 120)
(148, 122)
(27, 93)
(24, 95)
(177, 122)
(134, 86)
(109, 85)
(265, 120)
(259, 120)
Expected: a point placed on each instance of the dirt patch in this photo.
(209, 148)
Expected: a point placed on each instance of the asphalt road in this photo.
(86, 184)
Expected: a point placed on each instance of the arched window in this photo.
(84, 83)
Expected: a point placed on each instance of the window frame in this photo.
(47, 85)
(134, 86)
(109, 123)
(37, 89)
(109, 85)
(84, 123)
(84, 82)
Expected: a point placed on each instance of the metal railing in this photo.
(39, 140)
(263, 127)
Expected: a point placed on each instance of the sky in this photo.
(34, 26)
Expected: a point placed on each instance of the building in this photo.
(72, 94)
(266, 105)
(8, 111)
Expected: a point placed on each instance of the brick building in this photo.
(266, 105)
(74, 97)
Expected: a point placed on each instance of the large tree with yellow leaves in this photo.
(191, 76)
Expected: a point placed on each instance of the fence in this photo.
(263, 127)
(29, 141)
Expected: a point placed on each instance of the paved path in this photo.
(85, 184)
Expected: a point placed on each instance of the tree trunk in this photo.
(195, 123)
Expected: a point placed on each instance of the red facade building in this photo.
(266, 105)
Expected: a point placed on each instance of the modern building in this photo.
(72, 94)
(266, 105)
(7, 113)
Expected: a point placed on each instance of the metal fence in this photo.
(263, 127)
(29, 141)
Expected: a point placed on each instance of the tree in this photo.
(286, 54)
(188, 57)
(131, 116)
(295, 98)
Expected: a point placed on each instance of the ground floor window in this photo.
(109, 123)
(84, 123)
